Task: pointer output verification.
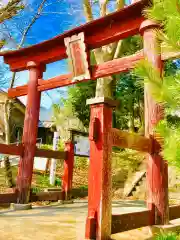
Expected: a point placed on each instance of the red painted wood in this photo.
(129, 221)
(8, 197)
(157, 170)
(110, 28)
(68, 171)
(133, 141)
(98, 223)
(11, 149)
(174, 212)
(105, 69)
(76, 52)
(25, 169)
(49, 154)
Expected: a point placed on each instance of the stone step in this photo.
(133, 182)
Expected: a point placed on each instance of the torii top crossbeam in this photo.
(113, 27)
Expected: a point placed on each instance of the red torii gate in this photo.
(76, 45)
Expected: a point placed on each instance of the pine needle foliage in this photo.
(166, 89)
(167, 13)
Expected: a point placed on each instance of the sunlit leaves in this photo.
(165, 90)
(167, 13)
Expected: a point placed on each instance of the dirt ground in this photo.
(57, 222)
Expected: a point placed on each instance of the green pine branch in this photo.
(166, 89)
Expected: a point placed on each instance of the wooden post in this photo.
(68, 171)
(52, 175)
(157, 169)
(98, 223)
(25, 169)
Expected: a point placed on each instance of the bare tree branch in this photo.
(120, 4)
(36, 16)
(9, 35)
(106, 53)
(87, 10)
(103, 7)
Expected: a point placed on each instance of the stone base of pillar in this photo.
(65, 201)
(19, 207)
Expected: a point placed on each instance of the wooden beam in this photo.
(129, 221)
(174, 212)
(111, 28)
(8, 198)
(108, 68)
(11, 149)
(132, 141)
(46, 196)
(50, 154)
(105, 69)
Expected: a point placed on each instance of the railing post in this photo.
(157, 168)
(98, 223)
(30, 130)
(52, 175)
(68, 171)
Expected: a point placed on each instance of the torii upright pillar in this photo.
(98, 223)
(157, 169)
(30, 130)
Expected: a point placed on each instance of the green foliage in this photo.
(42, 181)
(130, 111)
(171, 146)
(77, 97)
(46, 146)
(61, 145)
(50, 147)
(78, 94)
(131, 45)
(168, 236)
(167, 12)
(165, 91)
(81, 162)
(127, 159)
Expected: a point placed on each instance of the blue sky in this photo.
(57, 17)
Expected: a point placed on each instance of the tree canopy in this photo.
(7, 11)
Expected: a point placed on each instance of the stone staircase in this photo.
(134, 183)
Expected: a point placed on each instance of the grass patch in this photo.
(168, 236)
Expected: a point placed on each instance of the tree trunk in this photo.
(8, 170)
(131, 115)
(141, 118)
